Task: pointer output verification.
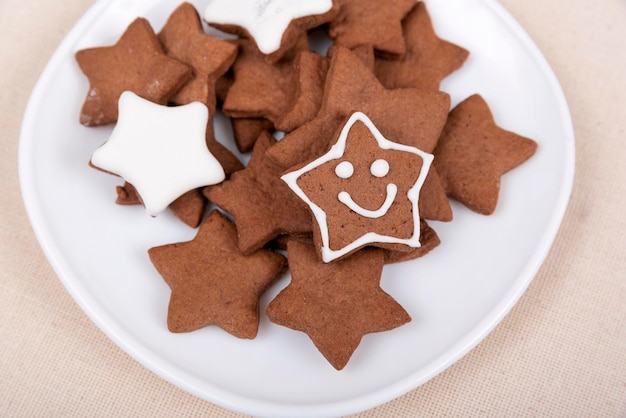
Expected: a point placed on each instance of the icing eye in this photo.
(344, 170)
(379, 168)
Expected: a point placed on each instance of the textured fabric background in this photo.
(561, 352)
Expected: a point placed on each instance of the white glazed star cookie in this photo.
(267, 21)
(160, 150)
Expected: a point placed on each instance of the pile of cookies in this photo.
(369, 152)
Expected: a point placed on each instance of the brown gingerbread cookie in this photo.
(247, 130)
(371, 22)
(184, 38)
(262, 205)
(363, 191)
(335, 304)
(365, 53)
(434, 204)
(227, 159)
(223, 84)
(410, 116)
(208, 291)
(261, 89)
(127, 195)
(190, 207)
(280, 242)
(428, 238)
(135, 63)
(474, 152)
(428, 59)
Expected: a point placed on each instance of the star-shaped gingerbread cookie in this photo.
(135, 63)
(261, 89)
(371, 22)
(335, 304)
(428, 60)
(160, 150)
(212, 283)
(184, 38)
(474, 152)
(273, 25)
(269, 208)
(363, 191)
(351, 86)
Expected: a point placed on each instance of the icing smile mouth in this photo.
(346, 199)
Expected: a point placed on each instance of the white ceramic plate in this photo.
(455, 295)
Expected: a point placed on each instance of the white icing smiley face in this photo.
(379, 168)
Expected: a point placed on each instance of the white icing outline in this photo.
(346, 199)
(336, 152)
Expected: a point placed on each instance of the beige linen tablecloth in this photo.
(561, 352)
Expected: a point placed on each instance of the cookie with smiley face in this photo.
(363, 192)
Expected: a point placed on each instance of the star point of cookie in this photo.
(363, 191)
(335, 304)
(474, 152)
(160, 150)
(268, 22)
(261, 89)
(135, 63)
(184, 38)
(371, 22)
(269, 208)
(212, 283)
(428, 60)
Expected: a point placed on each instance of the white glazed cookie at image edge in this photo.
(160, 150)
(265, 20)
